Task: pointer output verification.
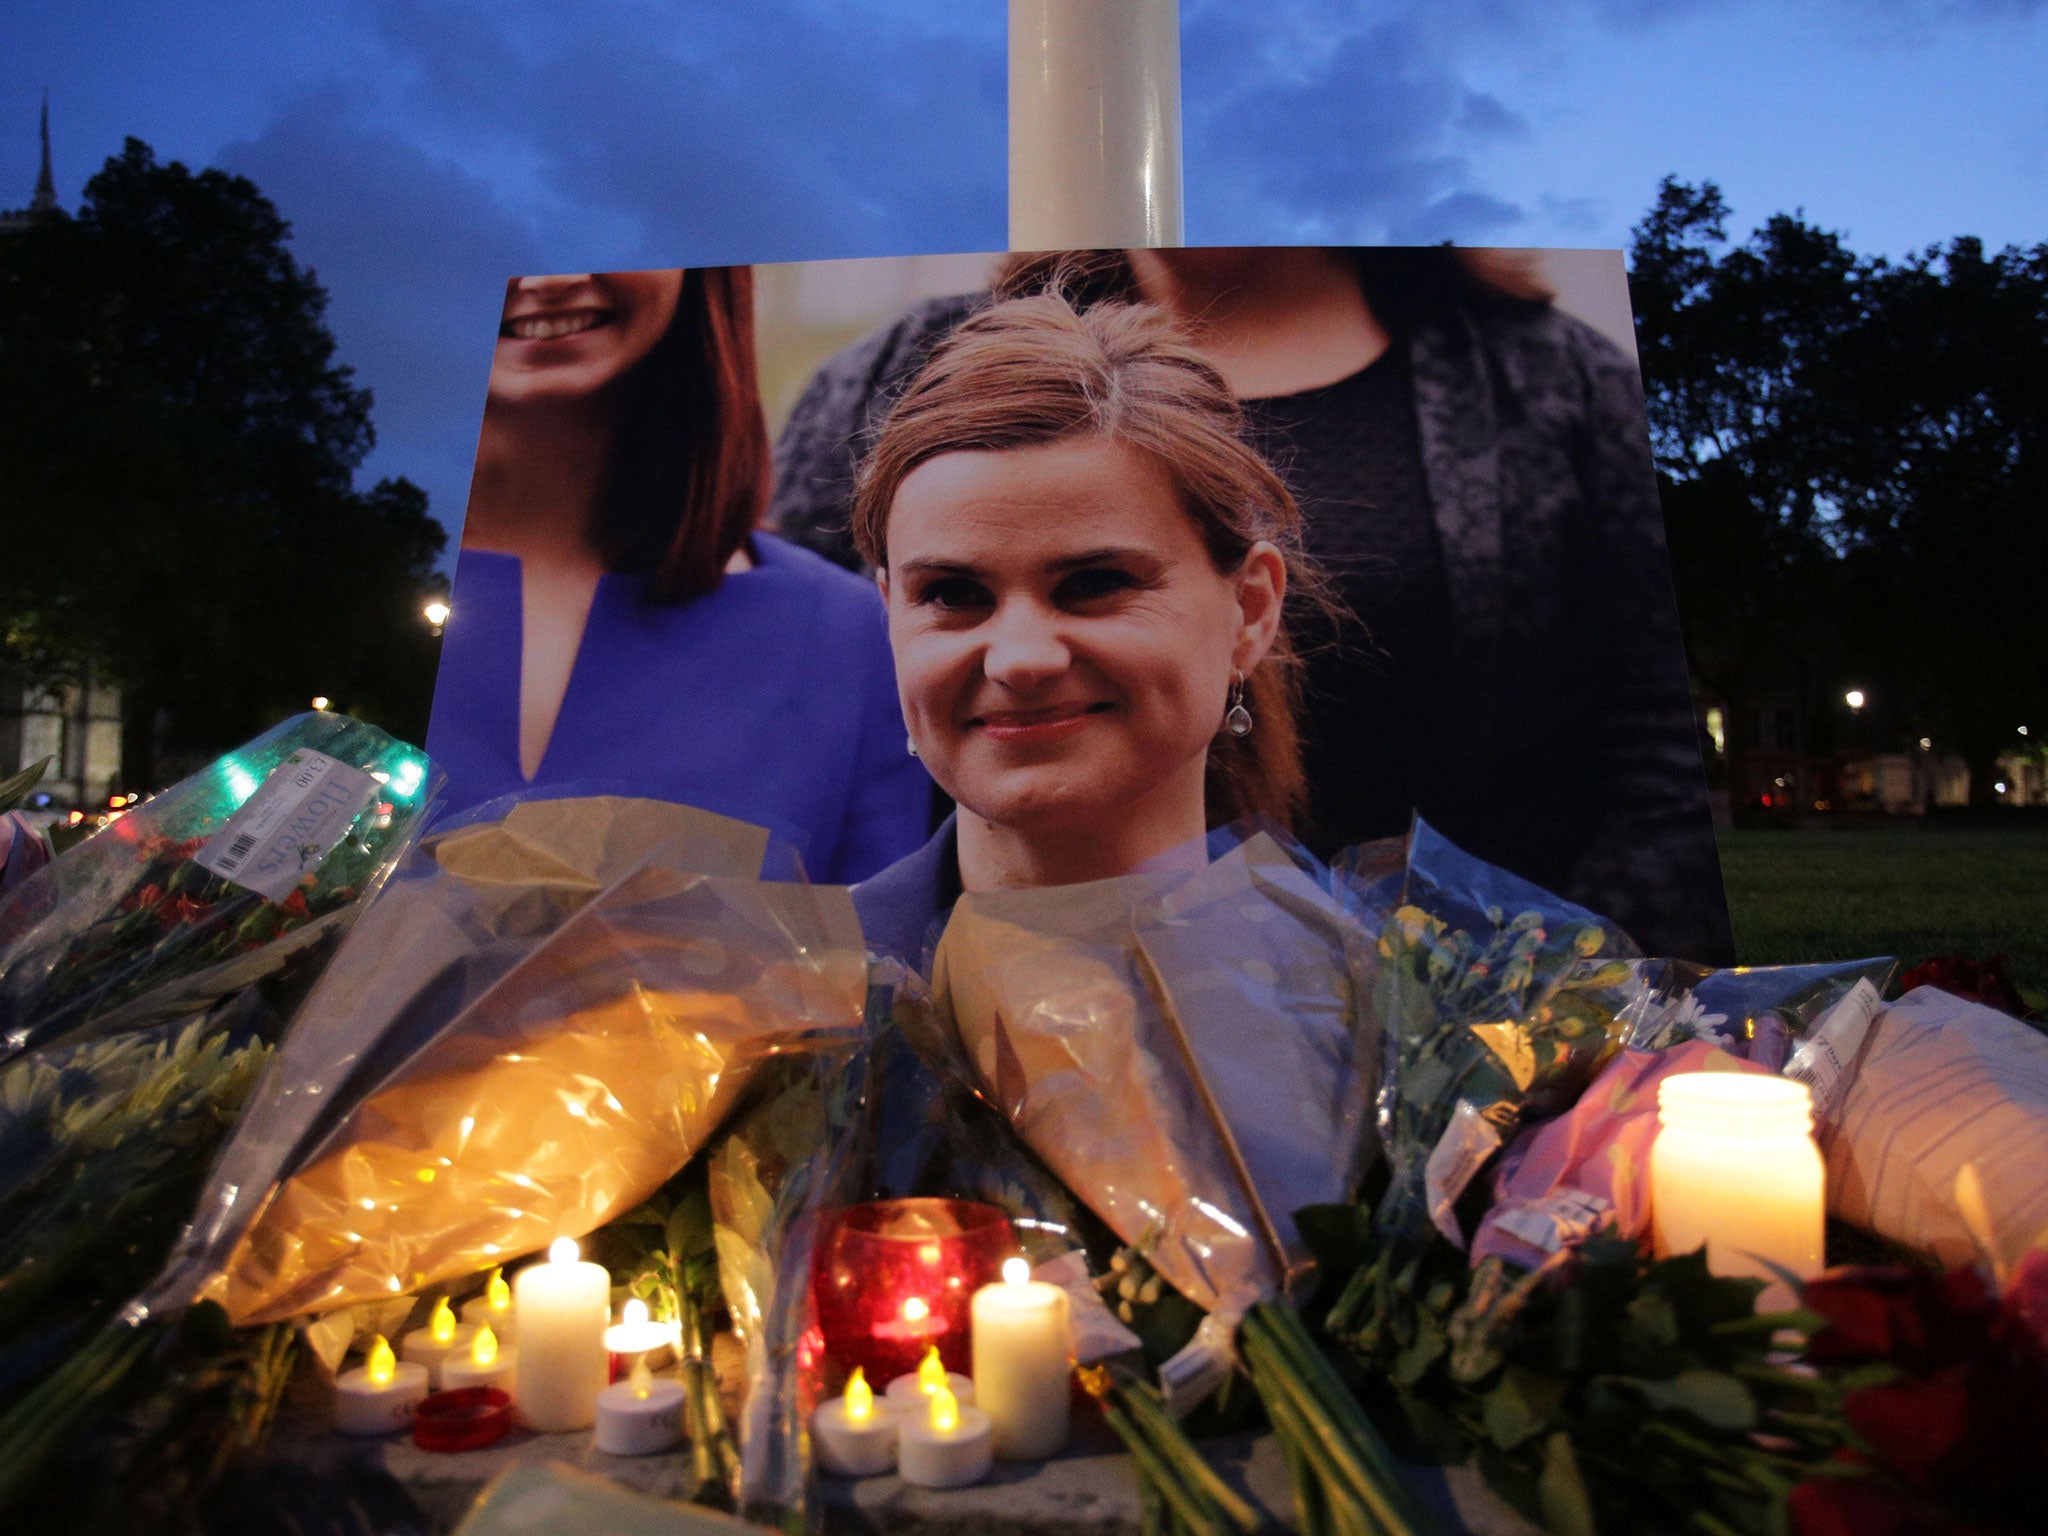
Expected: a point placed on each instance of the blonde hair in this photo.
(1036, 370)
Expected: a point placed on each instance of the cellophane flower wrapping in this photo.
(206, 887)
(570, 1090)
(467, 904)
(1188, 1049)
(791, 1154)
(1499, 1001)
(1588, 1168)
(1937, 1136)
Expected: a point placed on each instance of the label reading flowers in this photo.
(289, 825)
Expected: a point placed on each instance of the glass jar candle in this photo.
(1735, 1167)
(895, 1279)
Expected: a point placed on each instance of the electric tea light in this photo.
(1734, 1166)
(639, 1416)
(636, 1337)
(855, 1436)
(563, 1307)
(379, 1396)
(432, 1345)
(915, 1391)
(493, 1307)
(949, 1446)
(1022, 1376)
(483, 1364)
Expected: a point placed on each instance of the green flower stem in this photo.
(77, 1393)
(1184, 1506)
(1307, 1400)
(1303, 1367)
(1198, 1499)
(1328, 1493)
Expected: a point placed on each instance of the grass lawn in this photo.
(1836, 894)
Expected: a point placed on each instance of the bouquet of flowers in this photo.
(1190, 1050)
(210, 884)
(146, 993)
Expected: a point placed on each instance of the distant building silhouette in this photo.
(42, 203)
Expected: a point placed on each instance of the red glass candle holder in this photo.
(895, 1277)
(467, 1419)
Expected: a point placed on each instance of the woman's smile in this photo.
(1052, 722)
(552, 325)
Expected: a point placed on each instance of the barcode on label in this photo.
(238, 850)
(290, 824)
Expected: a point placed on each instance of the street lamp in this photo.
(1855, 698)
(436, 613)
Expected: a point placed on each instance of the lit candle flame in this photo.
(483, 1349)
(634, 1313)
(916, 1310)
(945, 1410)
(931, 1372)
(563, 1250)
(643, 1379)
(860, 1397)
(382, 1364)
(1016, 1272)
(928, 1253)
(498, 1295)
(441, 1326)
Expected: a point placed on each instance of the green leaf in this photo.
(1413, 1363)
(1439, 1434)
(20, 786)
(1340, 1236)
(1521, 1405)
(1652, 1321)
(1713, 1397)
(1567, 1508)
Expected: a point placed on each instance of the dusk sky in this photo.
(423, 153)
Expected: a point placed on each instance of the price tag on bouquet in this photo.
(288, 827)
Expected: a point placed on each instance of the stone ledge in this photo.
(1090, 1490)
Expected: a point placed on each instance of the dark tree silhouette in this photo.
(177, 462)
(1851, 453)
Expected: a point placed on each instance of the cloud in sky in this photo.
(425, 153)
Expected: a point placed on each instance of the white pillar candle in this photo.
(493, 1307)
(854, 1435)
(378, 1397)
(641, 1416)
(949, 1446)
(432, 1345)
(563, 1308)
(914, 1392)
(483, 1364)
(1734, 1167)
(1022, 1373)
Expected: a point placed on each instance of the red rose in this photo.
(1913, 1425)
(1862, 1506)
(1873, 1313)
(1985, 982)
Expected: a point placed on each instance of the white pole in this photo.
(1094, 124)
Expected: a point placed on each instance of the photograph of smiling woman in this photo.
(1086, 569)
(620, 624)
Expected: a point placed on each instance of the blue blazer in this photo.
(771, 699)
(898, 906)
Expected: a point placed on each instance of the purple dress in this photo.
(771, 699)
